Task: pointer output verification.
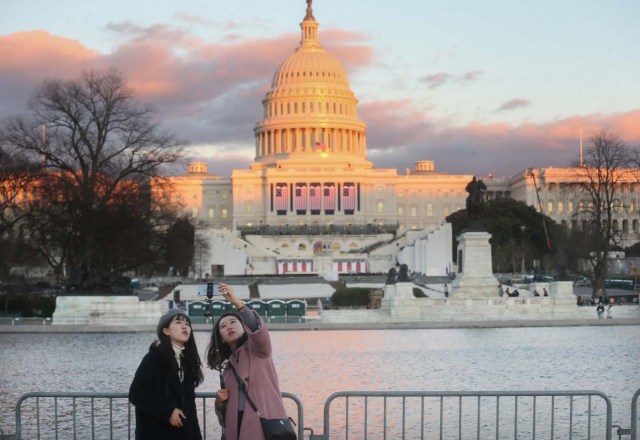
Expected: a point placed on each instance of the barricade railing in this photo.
(358, 415)
(24, 321)
(59, 415)
(465, 415)
(634, 415)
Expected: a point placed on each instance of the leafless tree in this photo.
(99, 149)
(607, 167)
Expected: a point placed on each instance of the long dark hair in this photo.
(218, 351)
(191, 357)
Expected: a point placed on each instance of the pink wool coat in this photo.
(253, 363)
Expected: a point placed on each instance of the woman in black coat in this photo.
(163, 389)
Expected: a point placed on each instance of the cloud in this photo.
(191, 19)
(513, 104)
(437, 79)
(471, 76)
(210, 94)
(394, 123)
(199, 83)
(348, 47)
(400, 134)
(441, 78)
(30, 57)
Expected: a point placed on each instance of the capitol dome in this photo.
(310, 105)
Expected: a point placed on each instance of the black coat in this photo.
(156, 392)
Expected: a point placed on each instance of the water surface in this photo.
(314, 364)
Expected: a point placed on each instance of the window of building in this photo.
(570, 207)
(560, 207)
(224, 213)
(225, 196)
(445, 209)
(248, 207)
(380, 206)
(400, 210)
(194, 212)
(212, 213)
(414, 211)
(550, 206)
(429, 209)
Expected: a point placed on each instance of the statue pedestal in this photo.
(562, 289)
(399, 302)
(475, 277)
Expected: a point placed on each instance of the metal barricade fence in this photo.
(359, 415)
(634, 415)
(97, 415)
(569, 415)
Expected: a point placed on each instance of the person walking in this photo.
(240, 348)
(600, 310)
(163, 388)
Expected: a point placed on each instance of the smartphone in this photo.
(210, 290)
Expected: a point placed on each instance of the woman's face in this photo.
(179, 330)
(231, 330)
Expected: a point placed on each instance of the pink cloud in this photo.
(394, 123)
(27, 58)
(399, 133)
(211, 93)
(348, 48)
(23, 50)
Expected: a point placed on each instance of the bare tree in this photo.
(600, 178)
(99, 150)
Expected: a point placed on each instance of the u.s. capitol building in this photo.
(311, 202)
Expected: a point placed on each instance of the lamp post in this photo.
(523, 228)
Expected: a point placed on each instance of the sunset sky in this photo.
(480, 87)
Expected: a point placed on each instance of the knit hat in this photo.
(167, 317)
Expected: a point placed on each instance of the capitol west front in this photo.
(311, 202)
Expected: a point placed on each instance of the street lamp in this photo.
(523, 228)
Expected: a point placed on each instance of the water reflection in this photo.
(314, 364)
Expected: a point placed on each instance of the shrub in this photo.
(418, 293)
(351, 297)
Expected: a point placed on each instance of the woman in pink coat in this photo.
(241, 341)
